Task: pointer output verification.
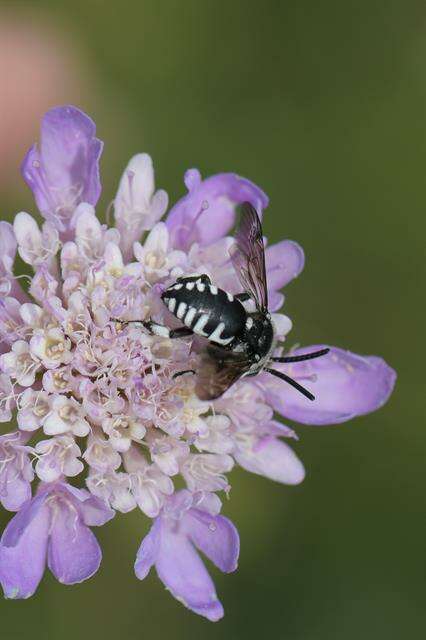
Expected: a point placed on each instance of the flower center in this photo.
(155, 260)
(41, 408)
(68, 414)
(55, 349)
(60, 379)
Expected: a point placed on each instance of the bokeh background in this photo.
(324, 105)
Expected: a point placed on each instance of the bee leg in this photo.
(180, 332)
(159, 329)
(164, 332)
(181, 373)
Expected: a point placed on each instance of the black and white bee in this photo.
(239, 342)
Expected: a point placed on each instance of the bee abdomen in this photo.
(207, 310)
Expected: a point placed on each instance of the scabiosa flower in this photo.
(97, 398)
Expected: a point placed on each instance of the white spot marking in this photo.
(213, 289)
(192, 312)
(200, 324)
(215, 336)
(229, 296)
(181, 310)
(172, 304)
(190, 286)
(249, 323)
(176, 287)
(201, 286)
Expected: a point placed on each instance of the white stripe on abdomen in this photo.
(200, 324)
(215, 335)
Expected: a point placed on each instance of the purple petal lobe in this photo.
(93, 510)
(23, 550)
(345, 385)
(207, 212)
(9, 286)
(8, 245)
(18, 492)
(284, 261)
(64, 169)
(147, 552)
(273, 459)
(276, 300)
(18, 525)
(74, 553)
(180, 568)
(215, 536)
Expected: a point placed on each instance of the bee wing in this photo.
(218, 370)
(248, 256)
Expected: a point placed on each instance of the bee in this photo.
(239, 342)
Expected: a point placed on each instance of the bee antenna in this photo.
(291, 382)
(305, 356)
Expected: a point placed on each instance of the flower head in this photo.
(97, 395)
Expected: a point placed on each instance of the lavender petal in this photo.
(215, 536)
(147, 552)
(182, 571)
(74, 553)
(64, 169)
(207, 212)
(273, 459)
(23, 550)
(284, 262)
(345, 385)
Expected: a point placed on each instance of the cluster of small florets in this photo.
(95, 397)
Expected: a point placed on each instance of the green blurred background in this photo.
(324, 105)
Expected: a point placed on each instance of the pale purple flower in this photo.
(8, 247)
(206, 471)
(10, 322)
(122, 430)
(63, 170)
(171, 546)
(16, 472)
(137, 206)
(149, 486)
(57, 457)
(34, 246)
(284, 262)
(93, 395)
(52, 528)
(267, 455)
(114, 488)
(66, 415)
(7, 399)
(156, 256)
(207, 212)
(34, 407)
(168, 453)
(20, 364)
